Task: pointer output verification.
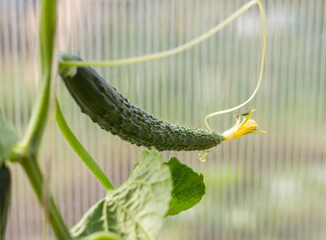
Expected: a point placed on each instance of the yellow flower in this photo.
(241, 128)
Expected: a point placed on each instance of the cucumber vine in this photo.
(154, 190)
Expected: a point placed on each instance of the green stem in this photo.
(35, 177)
(26, 151)
(81, 151)
(47, 27)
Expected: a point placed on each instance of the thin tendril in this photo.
(261, 9)
(173, 51)
(202, 154)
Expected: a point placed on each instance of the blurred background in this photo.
(268, 187)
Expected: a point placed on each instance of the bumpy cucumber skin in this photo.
(5, 196)
(109, 109)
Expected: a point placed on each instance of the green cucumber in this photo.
(5, 191)
(113, 113)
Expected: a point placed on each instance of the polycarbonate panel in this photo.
(258, 187)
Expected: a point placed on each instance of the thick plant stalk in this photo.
(26, 151)
(53, 214)
(47, 26)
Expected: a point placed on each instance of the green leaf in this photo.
(8, 138)
(188, 187)
(136, 209)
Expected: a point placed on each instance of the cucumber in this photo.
(5, 191)
(113, 113)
